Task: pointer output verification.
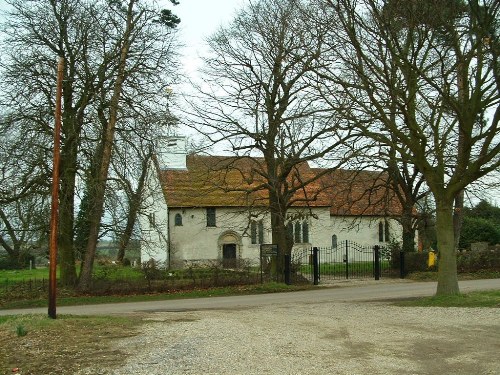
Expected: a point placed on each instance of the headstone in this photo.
(479, 246)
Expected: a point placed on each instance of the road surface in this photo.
(355, 291)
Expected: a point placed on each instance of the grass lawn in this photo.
(32, 295)
(339, 268)
(109, 272)
(12, 276)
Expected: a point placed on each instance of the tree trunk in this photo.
(447, 275)
(97, 208)
(278, 231)
(13, 248)
(66, 258)
(408, 231)
(125, 237)
(459, 199)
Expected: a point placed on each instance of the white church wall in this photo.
(195, 241)
(364, 230)
(153, 222)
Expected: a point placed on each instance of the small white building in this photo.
(202, 208)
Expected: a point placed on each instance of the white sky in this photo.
(199, 19)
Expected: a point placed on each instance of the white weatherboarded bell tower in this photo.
(170, 153)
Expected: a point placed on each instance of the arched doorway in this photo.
(229, 255)
(229, 249)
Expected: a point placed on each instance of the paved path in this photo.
(341, 292)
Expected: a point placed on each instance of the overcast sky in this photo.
(199, 19)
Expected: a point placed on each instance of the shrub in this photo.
(126, 262)
(416, 262)
(24, 260)
(473, 261)
(476, 229)
(21, 331)
(7, 263)
(151, 271)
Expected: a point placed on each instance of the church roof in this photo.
(221, 181)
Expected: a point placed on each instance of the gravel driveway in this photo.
(316, 338)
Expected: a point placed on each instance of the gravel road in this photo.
(324, 337)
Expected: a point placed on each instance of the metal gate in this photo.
(347, 260)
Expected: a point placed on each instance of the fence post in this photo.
(316, 265)
(288, 261)
(376, 267)
(402, 271)
(346, 259)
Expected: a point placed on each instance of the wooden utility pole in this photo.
(54, 214)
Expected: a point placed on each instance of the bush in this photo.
(151, 271)
(476, 229)
(126, 262)
(414, 262)
(7, 263)
(473, 261)
(23, 261)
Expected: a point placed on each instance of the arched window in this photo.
(387, 239)
(305, 232)
(334, 241)
(261, 231)
(289, 232)
(178, 220)
(253, 232)
(298, 237)
(380, 232)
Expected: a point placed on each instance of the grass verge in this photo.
(174, 294)
(433, 275)
(474, 299)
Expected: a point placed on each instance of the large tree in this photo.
(260, 97)
(424, 81)
(115, 66)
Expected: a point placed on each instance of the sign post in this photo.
(267, 251)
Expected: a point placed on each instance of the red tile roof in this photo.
(221, 181)
(359, 193)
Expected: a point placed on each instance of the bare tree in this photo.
(24, 227)
(259, 98)
(427, 87)
(408, 184)
(23, 193)
(91, 36)
(134, 26)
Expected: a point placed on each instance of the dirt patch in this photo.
(64, 345)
